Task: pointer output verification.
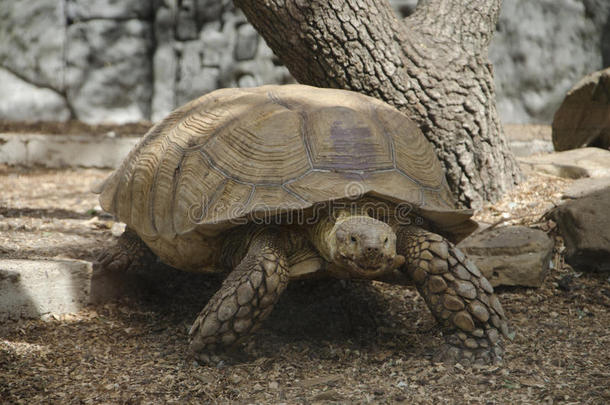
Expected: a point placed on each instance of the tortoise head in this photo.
(364, 246)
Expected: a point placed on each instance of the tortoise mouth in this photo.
(379, 268)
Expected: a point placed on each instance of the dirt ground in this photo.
(327, 341)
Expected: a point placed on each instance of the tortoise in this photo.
(276, 183)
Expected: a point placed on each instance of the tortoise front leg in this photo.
(459, 296)
(244, 300)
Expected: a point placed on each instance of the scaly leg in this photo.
(459, 296)
(129, 252)
(244, 300)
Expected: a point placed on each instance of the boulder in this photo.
(510, 255)
(572, 164)
(583, 119)
(584, 225)
(582, 187)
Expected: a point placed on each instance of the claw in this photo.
(113, 260)
(451, 354)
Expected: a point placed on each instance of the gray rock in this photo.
(211, 10)
(540, 49)
(511, 255)
(247, 42)
(23, 101)
(186, 25)
(108, 70)
(404, 8)
(247, 81)
(583, 119)
(34, 288)
(165, 21)
(583, 187)
(165, 67)
(527, 140)
(214, 44)
(572, 164)
(78, 10)
(195, 79)
(584, 225)
(33, 41)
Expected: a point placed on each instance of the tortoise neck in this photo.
(319, 235)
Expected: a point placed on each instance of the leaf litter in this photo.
(326, 341)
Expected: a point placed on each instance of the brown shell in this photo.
(224, 157)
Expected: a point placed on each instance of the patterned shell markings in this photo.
(234, 152)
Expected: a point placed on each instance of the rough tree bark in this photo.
(433, 65)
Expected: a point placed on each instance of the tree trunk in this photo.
(433, 66)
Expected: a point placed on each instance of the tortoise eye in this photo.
(385, 242)
(353, 238)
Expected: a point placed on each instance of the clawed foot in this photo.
(129, 251)
(211, 359)
(458, 295)
(244, 300)
(468, 350)
(217, 355)
(113, 259)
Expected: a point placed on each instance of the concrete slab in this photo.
(34, 288)
(55, 151)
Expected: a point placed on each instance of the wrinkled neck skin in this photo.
(322, 237)
(356, 245)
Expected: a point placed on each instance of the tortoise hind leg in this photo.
(459, 296)
(244, 300)
(130, 252)
(119, 270)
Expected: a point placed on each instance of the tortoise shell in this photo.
(223, 158)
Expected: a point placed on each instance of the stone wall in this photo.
(123, 60)
(541, 49)
(131, 60)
